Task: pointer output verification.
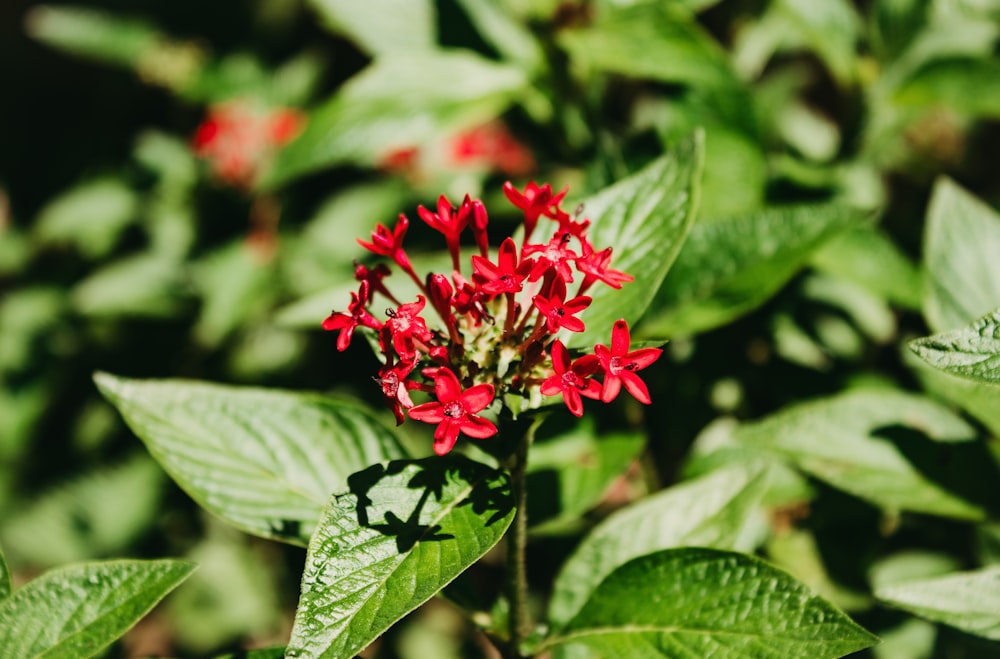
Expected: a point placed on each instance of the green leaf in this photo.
(705, 602)
(728, 267)
(710, 511)
(866, 256)
(961, 242)
(655, 40)
(885, 446)
(399, 101)
(77, 611)
(90, 216)
(569, 473)
(403, 533)
(962, 84)
(969, 601)
(143, 285)
(498, 27)
(99, 513)
(262, 653)
(265, 461)
(972, 352)
(381, 27)
(830, 29)
(92, 33)
(980, 399)
(5, 585)
(644, 219)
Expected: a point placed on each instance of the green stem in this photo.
(519, 621)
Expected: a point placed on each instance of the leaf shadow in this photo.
(967, 469)
(381, 507)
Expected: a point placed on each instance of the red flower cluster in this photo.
(237, 139)
(493, 334)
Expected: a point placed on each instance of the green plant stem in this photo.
(518, 621)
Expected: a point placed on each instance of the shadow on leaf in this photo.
(388, 500)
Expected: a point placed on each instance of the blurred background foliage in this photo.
(122, 249)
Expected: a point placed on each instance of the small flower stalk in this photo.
(473, 341)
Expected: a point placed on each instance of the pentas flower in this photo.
(455, 411)
(620, 365)
(480, 339)
(238, 139)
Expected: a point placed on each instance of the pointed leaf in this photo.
(77, 611)
(728, 267)
(644, 219)
(885, 446)
(265, 461)
(400, 101)
(969, 601)
(709, 511)
(709, 603)
(381, 27)
(962, 84)
(961, 244)
(972, 352)
(403, 533)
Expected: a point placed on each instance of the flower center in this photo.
(571, 379)
(454, 410)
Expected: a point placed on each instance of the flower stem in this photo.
(518, 620)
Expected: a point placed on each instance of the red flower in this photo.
(395, 387)
(572, 380)
(554, 254)
(534, 201)
(449, 222)
(405, 325)
(455, 411)
(507, 276)
(356, 315)
(558, 311)
(390, 243)
(620, 365)
(374, 277)
(594, 266)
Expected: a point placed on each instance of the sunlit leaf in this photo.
(970, 85)
(710, 511)
(77, 611)
(90, 216)
(645, 219)
(399, 101)
(969, 601)
(381, 27)
(972, 352)
(885, 446)
(266, 461)
(403, 533)
(706, 602)
(728, 267)
(961, 242)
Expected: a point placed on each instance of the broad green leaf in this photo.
(77, 611)
(830, 29)
(655, 40)
(911, 639)
(728, 267)
(403, 533)
(5, 585)
(570, 472)
(972, 352)
(969, 601)
(262, 653)
(90, 216)
(962, 84)
(910, 565)
(26, 314)
(961, 242)
(703, 602)
(866, 256)
(99, 513)
(644, 219)
(399, 101)
(92, 33)
(980, 399)
(797, 552)
(265, 461)
(885, 446)
(711, 511)
(381, 27)
(143, 285)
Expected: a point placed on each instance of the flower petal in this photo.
(560, 357)
(477, 397)
(428, 412)
(643, 357)
(609, 391)
(445, 437)
(620, 337)
(635, 386)
(446, 386)
(478, 427)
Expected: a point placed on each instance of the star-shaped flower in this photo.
(572, 380)
(620, 365)
(455, 411)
